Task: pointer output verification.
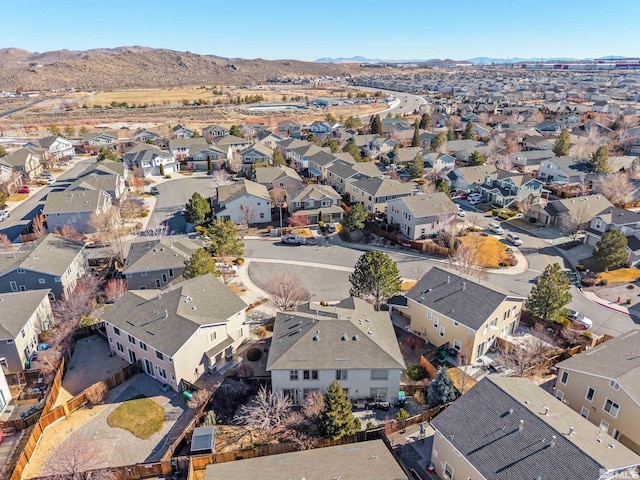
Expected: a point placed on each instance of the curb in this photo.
(600, 301)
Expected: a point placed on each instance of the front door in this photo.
(480, 351)
(148, 368)
(132, 356)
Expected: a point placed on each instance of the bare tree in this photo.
(235, 163)
(219, 178)
(69, 232)
(466, 258)
(37, 226)
(523, 359)
(511, 146)
(96, 393)
(504, 162)
(616, 187)
(131, 208)
(581, 150)
(286, 291)
(525, 206)
(137, 181)
(114, 289)
(575, 221)
(156, 230)
(268, 412)
(495, 144)
(77, 454)
(583, 185)
(200, 397)
(299, 220)
(248, 213)
(594, 137)
(484, 118)
(5, 243)
(104, 222)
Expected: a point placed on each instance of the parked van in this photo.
(495, 228)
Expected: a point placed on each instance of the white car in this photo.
(462, 213)
(580, 318)
(495, 228)
(475, 200)
(4, 214)
(293, 240)
(514, 239)
(224, 267)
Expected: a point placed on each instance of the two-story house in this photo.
(348, 341)
(602, 385)
(76, 208)
(54, 262)
(300, 156)
(278, 177)
(374, 193)
(94, 141)
(615, 218)
(180, 131)
(418, 216)
(201, 156)
(243, 202)
(181, 148)
(460, 312)
(148, 159)
(288, 145)
(143, 135)
(268, 139)
(256, 153)
(316, 201)
(55, 147)
(558, 212)
(289, 129)
(26, 162)
(155, 263)
(230, 143)
(509, 428)
(22, 316)
(341, 173)
(113, 184)
(214, 131)
(320, 161)
(506, 188)
(470, 178)
(563, 170)
(178, 334)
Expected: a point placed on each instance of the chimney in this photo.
(553, 441)
(448, 278)
(521, 427)
(546, 410)
(570, 430)
(463, 285)
(166, 314)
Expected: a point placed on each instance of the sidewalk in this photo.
(606, 303)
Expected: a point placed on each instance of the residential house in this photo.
(289, 129)
(256, 153)
(379, 146)
(602, 385)
(23, 315)
(405, 155)
(76, 208)
(201, 155)
(180, 333)
(278, 177)
(374, 193)
(109, 167)
(316, 201)
(320, 129)
(94, 141)
(5, 393)
(300, 156)
(470, 178)
(506, 428)
(287, 146)
(615, 218)
(155, 263)
(507, 188)
(341, 172)
(559, 212)
(418, 216)
(56, 148)
(537, 142)
(150, 160)
(212, 132)
(230, 143)
(461, 313)
(181, 148)
(529, 161)
(112, 184)
(549, 127)
(462, 149)
(180, 131)
(54, 262)
(250, 130)
(10, 180)
(268, 139)
(145, 136)
(243, 202)
(26, 162)
(347, 341)
(320, 161)
(439, 162)
(371, 459)
(563, 170)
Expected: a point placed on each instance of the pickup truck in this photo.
(293, 240)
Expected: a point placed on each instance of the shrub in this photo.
(144, 214)
(254, 354)
(588, 334)
(420, 397)
(416, 373)
(581, 268)
(495, 212)
(261, 332)
(628, 301)
(370, 425)
(631, 286)
(588, 281)
(239, 261)
(167, 176)
(321, 225)
(200, 230)
(85, 321)
(504, 216)
(513, 261)
(232, 372)
(504, 264)
(473, 229)
(96, 393)
(603, 282)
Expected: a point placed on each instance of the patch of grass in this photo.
(621, 275)
(304, 232)
(141, 416)
(17, 197)
(407, 285)
(489, 250)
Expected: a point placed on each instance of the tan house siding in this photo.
(438, 328)
(443, 451)
(574, 394)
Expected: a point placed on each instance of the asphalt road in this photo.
(408, 103)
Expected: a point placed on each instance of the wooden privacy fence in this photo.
(426, 246)
(65, 410)
(428, 366)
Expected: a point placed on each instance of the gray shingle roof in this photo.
(168, 252)
(293, 343)
(19, 157)
(16, 308)
(359, 461)
(484, 426)
(617, 359)
(429, 204)
(95, 181)
(190, 143)
(313, 191)
(384, 187)
(272, 174)
(74, 201)
(228, 193)
(165, 322)
(467, 300)
(231, 140)
(591, 203)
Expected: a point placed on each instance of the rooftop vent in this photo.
(355, 338)
(521, 426)
(464, 285)
(367, 320)
(344, 337)
(546, 410)
(369, 332)
(316, 338)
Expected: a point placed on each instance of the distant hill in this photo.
(144, 67)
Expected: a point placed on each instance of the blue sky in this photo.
(307, 30)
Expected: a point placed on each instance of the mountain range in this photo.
(475, 60)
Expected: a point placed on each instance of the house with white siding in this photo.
(243, 202)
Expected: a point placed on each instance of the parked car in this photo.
(24, 190)
(46, 174)
(462, 213)
(514, 239)
(580, 318)
(331, 227)
(475, 200)
(495, 228)
(154, 191)
(51, 181)
(4, 214)
(293, 240)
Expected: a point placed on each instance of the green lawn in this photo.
(141, 416)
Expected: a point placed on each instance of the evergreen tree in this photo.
(224, 239)
(200, 263)
(337, 419)
(278, 159)
(562, 143)
(355, 218)
(425, 121)
(469, 132)
(476, 158)
(416, 168)
(333, 145)
(451, 133)
(442, 186)
(313, 138)
(441, 389)
(611, 250)
(550, 295)
(107, 154)
(197, 209)
(235, 131)
(353, 122)
(415, 141)
(3, 151)
(438, 141)
(375, 277)
(54, 130)
(599, 161)
(69, 131)
(353, 150)
(376, 125)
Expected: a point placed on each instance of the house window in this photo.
(171, 272)
(436, 322)
(14, 286)
(20, 270)
(41, 281)
(143, 346)
(162, 373)
(442, 329)
(611, 407)
(116, 330)
(310, 374)
(584, 412)
(131, 339)
(457, 344)
(604, 426)
(379, 374)
(10, 341)
(560, 395)
(159, 356)
(598, 224)
(261, 215)
(119, 347)
(143, 274)
(564, 376)
(455, 324)
(293, 375)
(429, 313)
(614, 384)
(590, 394)
(378, 393)
(57, 279)
(240, 333)
(212, 336)
(448, 470)
(341, 374)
